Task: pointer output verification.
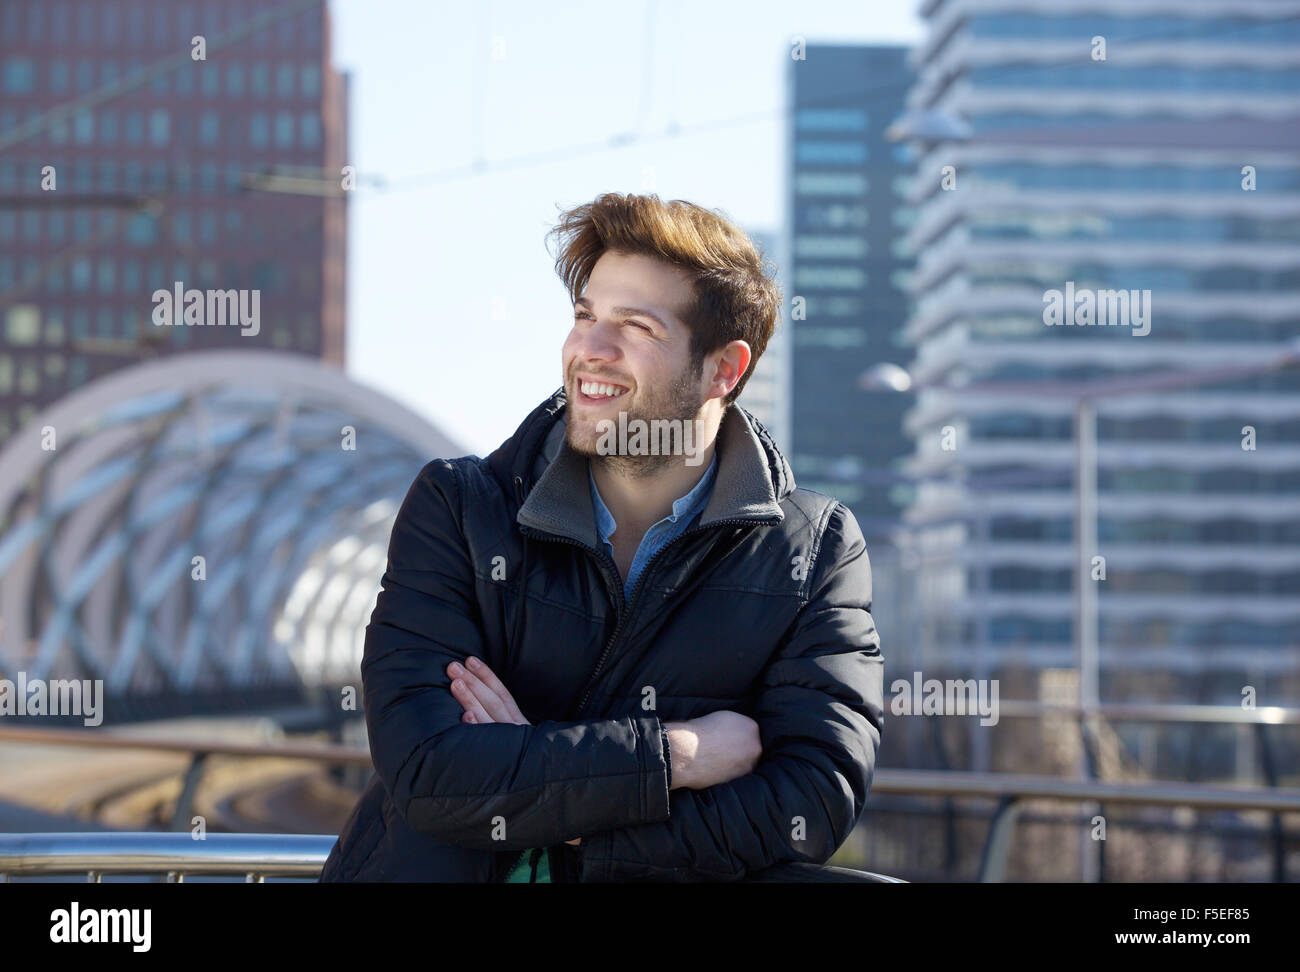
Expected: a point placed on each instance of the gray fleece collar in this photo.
(560, 502)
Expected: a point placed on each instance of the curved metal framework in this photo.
(280, 472)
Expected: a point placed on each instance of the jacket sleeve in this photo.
(491, 787)
(819, 711)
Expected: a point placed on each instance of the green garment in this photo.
(522, 874)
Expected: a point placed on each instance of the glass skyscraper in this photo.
(1150, 150)
(845, 297)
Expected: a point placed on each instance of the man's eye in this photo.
(577, 314)
(643, 327)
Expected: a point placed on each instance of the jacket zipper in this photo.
(625, 607)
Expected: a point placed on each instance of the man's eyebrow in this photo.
(630, 311)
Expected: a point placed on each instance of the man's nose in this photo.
(598, 342)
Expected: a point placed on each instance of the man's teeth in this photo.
(598, 390)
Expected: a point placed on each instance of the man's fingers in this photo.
(488, 677)
(490, 701)
(461, 691)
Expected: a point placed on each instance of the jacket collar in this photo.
(752, 475)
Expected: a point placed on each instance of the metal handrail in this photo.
(256, 856)
(950, 783)
(1009, 789)
(319, 752)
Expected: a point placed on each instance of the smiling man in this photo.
(645, 656)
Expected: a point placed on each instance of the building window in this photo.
(257, 130)
(83, 128)
(310, 81)
(830, 184)
(133, 127)
(107, 275)
(284, 81)
(159, 125)
(260, 80)
(19, 75)
(209, 128)
(830, 278)
(53, 325)
(830, 120)
(23, 324)
(130, 276)
(142, 229)
(830, 247)
(310, 129)
(81, 274)
(284, 130)
(59, 76)
(235, 80)
(830, 153)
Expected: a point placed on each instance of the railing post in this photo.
(185, 802)
(1270, 776)
(993, 862)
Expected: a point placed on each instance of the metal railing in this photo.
(167, 855)
(255, 856)
(1009, 790)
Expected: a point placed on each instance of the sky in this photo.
(474, 125)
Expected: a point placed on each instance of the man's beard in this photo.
(680, 401)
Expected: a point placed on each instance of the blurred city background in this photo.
(1103, 519)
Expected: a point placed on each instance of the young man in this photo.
(625, 646)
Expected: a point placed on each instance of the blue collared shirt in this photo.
(658, 536)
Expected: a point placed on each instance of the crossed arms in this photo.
(508, 786)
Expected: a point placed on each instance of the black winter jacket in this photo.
(761, 606)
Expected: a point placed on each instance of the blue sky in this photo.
(454, 307)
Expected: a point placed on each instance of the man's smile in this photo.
(598, 392)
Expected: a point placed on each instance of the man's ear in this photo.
(732, 364)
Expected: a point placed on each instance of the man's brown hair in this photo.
(736, 295)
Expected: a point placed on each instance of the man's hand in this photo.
(482, 695)
(485, 699)
(715, 748)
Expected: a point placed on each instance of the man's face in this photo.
(628, 332)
